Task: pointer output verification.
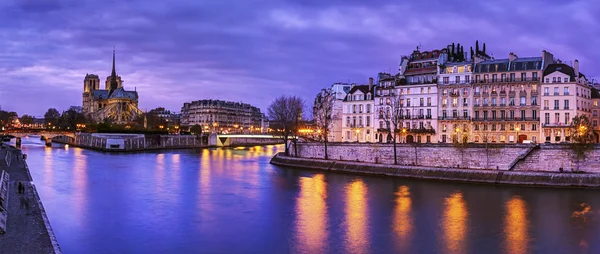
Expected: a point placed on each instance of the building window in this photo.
(534, 100)
(503, 77)
(553, 79)
(467, 79)
(556, 118)
(523, 76)
(566, 91)
(368, 121)
(494, 77)
(534, 114)
(512, 77)
(566, 104)
(523, 101)
(567, 118)
(534, 76)
(555, 90)
(566, 80)
(547, 118)
(555, 104)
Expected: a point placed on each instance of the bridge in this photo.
(45, 135)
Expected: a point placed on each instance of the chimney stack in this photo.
(576, 68)
(370, 83)
(512, 56)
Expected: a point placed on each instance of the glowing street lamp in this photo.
(517, 129)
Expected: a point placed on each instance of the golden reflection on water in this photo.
(311, 215)
(403, 218)
(455, 223)
(175, 166)
(356, 217)
(516, 226)
(205, 187)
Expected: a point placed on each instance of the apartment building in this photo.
(455, 107)
(506, 92)
(566, 93)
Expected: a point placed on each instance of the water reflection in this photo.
(80, 183)
(311, 213)
(159, 176)
(455, 224)
(403, 218)
(517, 224)
(356, 217)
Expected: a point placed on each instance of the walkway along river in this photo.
(234, 201)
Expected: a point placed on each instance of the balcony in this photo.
(556, 94)
(454, 94)
(509, 80)
(428, 117)
(556, 125)
(446, 118)
(512, 93)
(418, 131)
(353, 125)
(494, 93)
(486, 94)
(534, 92)
(522, 93)
(476, 94)
(503, 93)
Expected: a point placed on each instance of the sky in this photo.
(178, 51)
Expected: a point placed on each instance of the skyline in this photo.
(175, 52)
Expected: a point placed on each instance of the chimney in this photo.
(576, 68)
(547, 59)
(370, 84)
(512, 56)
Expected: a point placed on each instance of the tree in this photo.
(27, 119)
(392, 117)
(70, 118)
(286, 111)
(6, 117)
(196, 129)
(323, 114)
(582, 138)
(51, 117)
(460, 140)
(472, 54)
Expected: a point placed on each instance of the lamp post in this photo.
(404, 134)
(517, 129)
(457, 131)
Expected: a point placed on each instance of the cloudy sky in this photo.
(181, 50)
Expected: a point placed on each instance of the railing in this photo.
(514, 119)
(507, 80)
(455, 118)
(512, 93)
(454, 94)
(556, 125)
(456, 83)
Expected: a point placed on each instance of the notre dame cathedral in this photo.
(112, 103)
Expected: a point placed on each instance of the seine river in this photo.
(234, 201)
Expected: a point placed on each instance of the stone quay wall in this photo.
(498, 177)
(515, 157)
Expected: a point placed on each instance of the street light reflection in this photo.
(455, 223)
(403, 219)
(516, 226)
(356, 217)
(311, 214)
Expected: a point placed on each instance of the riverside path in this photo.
(27, 230)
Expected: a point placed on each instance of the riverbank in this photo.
(495, 177)
(27, 230)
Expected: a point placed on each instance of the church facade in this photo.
(113, 103)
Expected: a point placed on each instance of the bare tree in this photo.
(323, 113)
(393, 117)
(286, 111)
(460, 140)
(582, 138)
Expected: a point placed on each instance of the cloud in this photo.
(251, 51)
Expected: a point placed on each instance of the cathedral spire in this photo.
(113, 76)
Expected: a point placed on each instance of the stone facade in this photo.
(517, 157)
(223, 116)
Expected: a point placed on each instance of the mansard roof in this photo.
(364, 89)
(563, 68)
(504, 65)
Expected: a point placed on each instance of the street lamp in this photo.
(457, 131)
(357, 132)
(517, 129)
(403, 134)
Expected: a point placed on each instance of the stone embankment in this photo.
(546, 179)
(28, 229)
(514, 157)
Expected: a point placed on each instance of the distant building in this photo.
(339, 91)
(222, 116)
(112, 103)
(357, 114)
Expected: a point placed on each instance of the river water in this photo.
(234, 201)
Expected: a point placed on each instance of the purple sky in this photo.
(180, 50)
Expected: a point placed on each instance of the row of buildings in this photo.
(120, 106)
(445, 95)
